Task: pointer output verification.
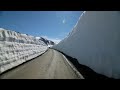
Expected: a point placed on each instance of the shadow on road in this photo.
(87, 72)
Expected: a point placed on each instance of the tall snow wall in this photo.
(95, 42)
(16, 48)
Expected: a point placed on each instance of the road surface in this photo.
(50, 65)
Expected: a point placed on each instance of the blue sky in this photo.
(53, 25)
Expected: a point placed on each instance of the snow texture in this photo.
(16, 48)
(95, 42)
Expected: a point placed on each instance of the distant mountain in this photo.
(10, 35)
(47, 42)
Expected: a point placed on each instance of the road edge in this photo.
(74, 69)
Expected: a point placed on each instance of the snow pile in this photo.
(16, 48)
(95, 42)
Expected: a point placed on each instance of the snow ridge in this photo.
(16, 48)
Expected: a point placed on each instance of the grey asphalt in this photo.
(50, 65)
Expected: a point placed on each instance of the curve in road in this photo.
(51, 65)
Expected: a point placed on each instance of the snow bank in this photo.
(16, 48)
(95, 42)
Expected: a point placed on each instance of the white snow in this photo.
(16, 48)
(95, 42)
(37, 37)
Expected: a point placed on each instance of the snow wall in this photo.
(95, 42)
(16, 48)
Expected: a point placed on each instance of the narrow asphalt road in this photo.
(50, 65)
